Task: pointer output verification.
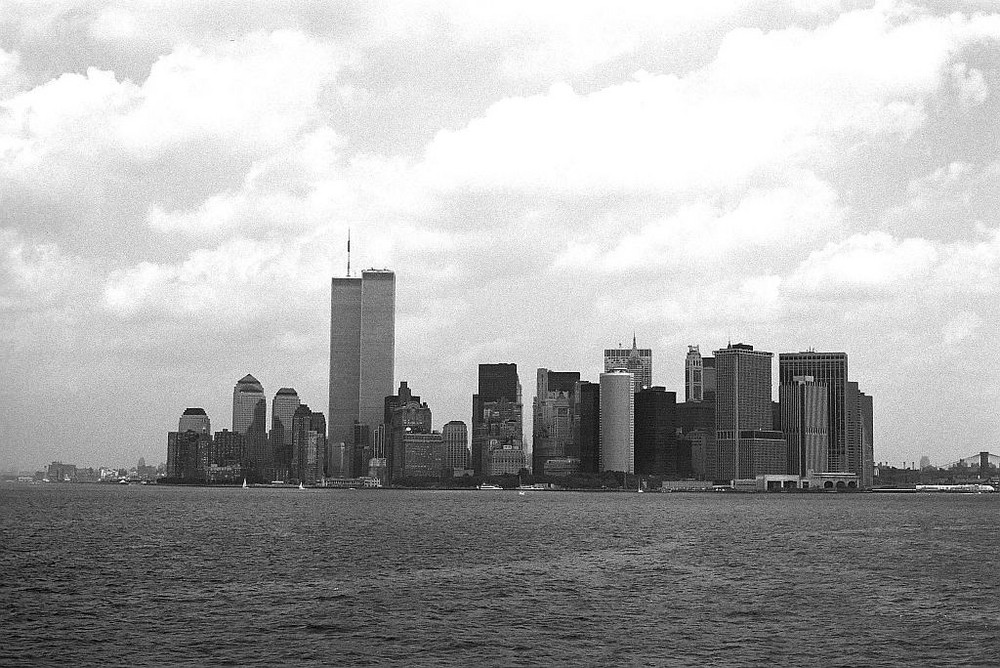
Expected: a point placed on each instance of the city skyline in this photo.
(546, 181)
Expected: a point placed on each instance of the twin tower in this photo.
(362, 359)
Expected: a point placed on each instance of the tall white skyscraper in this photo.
(617, 421)
(362, 353)
(635, 360)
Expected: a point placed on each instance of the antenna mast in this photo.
(348, 252)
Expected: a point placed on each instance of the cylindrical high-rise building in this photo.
(617, 422)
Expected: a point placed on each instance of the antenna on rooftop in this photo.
(348, 252)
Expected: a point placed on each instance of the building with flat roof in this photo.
(455, 436)
(497, 415)
(829, 369)
(745, 438)
(552, 409)
(617, 422)
(362, 355)
(587, 426)
(424, 455)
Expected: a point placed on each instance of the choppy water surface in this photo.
(172, 576)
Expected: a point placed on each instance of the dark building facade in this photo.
(188, 454)
(552, 424)
(228, 448)
(860, 437)
(696, 415)
(496, 414)
(656, 433)
(587, 426)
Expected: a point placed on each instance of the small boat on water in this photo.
(301, 486)
(490, 487)
(245, 485)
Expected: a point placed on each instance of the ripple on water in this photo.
(189, 576)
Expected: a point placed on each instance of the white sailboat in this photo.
(301, 486)
(245, 485)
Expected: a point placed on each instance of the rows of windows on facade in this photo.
(726, 428)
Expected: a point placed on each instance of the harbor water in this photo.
(153, 575)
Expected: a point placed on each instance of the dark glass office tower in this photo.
(656, 434)
(587, 426)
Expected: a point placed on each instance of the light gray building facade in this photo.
(362, 353)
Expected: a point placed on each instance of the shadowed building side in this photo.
(587, 426)
(283, 406)
(345, 359)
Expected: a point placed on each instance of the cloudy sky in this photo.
(177, 180)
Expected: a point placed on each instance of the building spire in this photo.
(634, 347)
(348, 252)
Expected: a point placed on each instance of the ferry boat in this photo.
(490, 487)
(972, 488)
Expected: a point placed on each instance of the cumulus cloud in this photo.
(772, 171)
(769, 101)
(35, 274)
(869, 263)
(240, 279)
(758, 228)
(81, 135)
(971, 84)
